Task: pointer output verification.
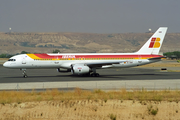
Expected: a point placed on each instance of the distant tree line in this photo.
(23, 52)
(10, 55)
(175, 54)
(56, 51)
(5, 56)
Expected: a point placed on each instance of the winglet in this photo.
(153, 45)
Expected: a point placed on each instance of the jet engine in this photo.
(79, 69)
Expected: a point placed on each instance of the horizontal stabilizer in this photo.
(156, 58)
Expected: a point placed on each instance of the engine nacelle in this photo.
(80, 69)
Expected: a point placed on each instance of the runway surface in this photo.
(109, 79)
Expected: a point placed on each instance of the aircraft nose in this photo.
(5, 64)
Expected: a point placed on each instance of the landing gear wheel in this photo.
(24, 73)
(25, 76)
(97, 75)
(94, 75)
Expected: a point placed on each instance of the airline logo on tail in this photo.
(155, 43)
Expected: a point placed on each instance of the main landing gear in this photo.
(24, 73)
(94, 74)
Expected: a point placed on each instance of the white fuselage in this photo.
(23, 61)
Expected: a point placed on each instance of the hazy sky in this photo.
(89, 16)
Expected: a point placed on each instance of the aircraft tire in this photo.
(97, 75)
(25, 76)
(94, 75)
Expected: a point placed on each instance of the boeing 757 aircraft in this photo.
(87, 63)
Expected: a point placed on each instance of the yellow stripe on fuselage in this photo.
(33, 56)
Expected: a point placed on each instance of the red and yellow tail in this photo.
(153, 45)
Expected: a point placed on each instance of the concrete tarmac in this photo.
(129, 78)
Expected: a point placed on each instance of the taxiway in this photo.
(129, 78)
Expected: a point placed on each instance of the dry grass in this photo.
(173, 70)
(88, 105)
(78, 94)
(173, 64)
(4, 58)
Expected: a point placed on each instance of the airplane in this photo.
(87, 63)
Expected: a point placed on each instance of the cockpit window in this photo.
(12, 60)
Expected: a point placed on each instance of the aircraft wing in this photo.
(100, 64)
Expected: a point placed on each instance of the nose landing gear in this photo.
(24, 73)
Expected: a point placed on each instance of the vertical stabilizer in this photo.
(153, 45)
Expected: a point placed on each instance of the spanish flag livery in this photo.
(87, 63)
(155, 43)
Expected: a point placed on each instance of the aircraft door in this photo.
(24, 59)
(57, 60)
(140, 59)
